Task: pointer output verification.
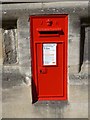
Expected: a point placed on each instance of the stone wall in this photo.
(9, 46)
(73, 44)
(22, 12)
(23, 27)
(0, 46)
(0, 73)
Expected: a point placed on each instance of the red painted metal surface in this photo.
(49, 81)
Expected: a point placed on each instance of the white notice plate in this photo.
(49, 54)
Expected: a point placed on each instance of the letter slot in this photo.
(49, 33)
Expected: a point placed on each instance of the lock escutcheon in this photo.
(43, 71)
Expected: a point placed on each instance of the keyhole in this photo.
(40, 71)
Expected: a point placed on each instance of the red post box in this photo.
(49, 57)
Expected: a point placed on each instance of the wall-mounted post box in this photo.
(49, 57)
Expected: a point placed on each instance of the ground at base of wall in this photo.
(16, 103)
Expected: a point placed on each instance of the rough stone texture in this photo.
(9, 46)
(24, 46)
(14, 11)
(0, 62)
(11, 77)
(74, 43)
(0, 73)
(0, 46)
(22, 11)
(79, 79)
(4, 1)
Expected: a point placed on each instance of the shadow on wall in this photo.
(84, 41)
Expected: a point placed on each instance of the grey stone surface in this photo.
(17, 104)
(74, 43)
(79, 79)
(9, 46)
(1, 46)
(24, 45)
(14, 11)
(11, 76)
(18, 1)
(0, 72)
(12, 79)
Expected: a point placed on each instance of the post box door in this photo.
(50, 69)
(49, 57)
